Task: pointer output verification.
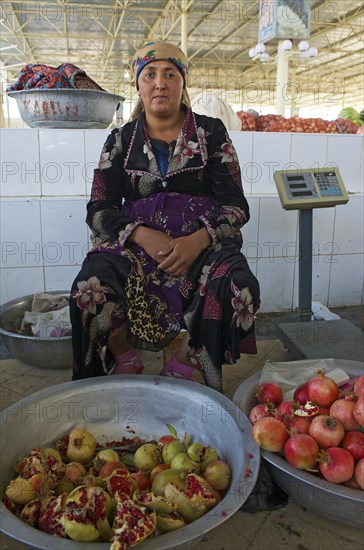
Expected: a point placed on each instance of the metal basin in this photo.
(336, 502)
(49, 353)
(111, 407)
(67, 107)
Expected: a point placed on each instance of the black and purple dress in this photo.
(175, 188)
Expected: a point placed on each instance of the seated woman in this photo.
(166, 210)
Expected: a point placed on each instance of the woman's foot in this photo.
(175, 369)
(128, 363)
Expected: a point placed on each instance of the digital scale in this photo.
(304, 190)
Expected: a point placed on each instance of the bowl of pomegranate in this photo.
(122, 461)
(311, 436)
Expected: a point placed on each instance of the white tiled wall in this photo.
(46, 178)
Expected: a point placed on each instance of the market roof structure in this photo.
(100, 36)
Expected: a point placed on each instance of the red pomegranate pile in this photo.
(84, 492)
(321, 430)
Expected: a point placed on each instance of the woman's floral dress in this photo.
(176, 190)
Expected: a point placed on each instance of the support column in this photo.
(282, 79)
(184, 21)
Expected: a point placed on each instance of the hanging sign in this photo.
(281, 19)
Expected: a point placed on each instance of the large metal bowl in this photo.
(67, 107)
(110, 408)
(336, 502)
(49, 353)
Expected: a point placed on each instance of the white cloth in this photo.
(49, 316)
(208, 104)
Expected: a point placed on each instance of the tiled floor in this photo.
(291, 527)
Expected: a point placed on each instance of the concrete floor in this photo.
(291, 527)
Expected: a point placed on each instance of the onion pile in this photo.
(278, 123)
(321, 430)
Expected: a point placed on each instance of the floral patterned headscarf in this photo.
(158, 51)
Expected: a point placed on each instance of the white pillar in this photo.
(282, 79)
(184, 21)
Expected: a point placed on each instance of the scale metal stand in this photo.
(304, 190)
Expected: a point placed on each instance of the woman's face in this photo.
(160, 88)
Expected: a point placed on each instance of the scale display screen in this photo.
(310, 188)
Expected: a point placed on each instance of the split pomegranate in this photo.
(326, 430)
(270, 434)
(269, 392)
(359, 473)
(358, 412)
(336, 464)
(342, 410)
(301, 451)
(322, 390)
(301, 394)
(354, 443)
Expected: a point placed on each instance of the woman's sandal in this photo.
(128, 363)
(175, 369)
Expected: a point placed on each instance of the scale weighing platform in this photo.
(304, 190)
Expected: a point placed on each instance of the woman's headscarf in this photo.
(158, 51)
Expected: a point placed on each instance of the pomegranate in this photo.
(157, 470)
(301, 451)
(172, 449)
(170, 522)
(75, 471)
(80, 529)
(270, 434)
(217, 474)
(161, 480)
(342, 410)
(295, 424)
(359, 386)
(32, 511)
(352, 483)
(353, 442)
(322, 390)
(183, 463)
(195, 500)
(132, 524)
(308, 410)
(358, 412)
(147, 457)
(120, 481)
(142, 480)
(81, 446)
(109, 467)
(286, 408)
(158, 504)
(51, 520)
(301, 394)
(269, 392)
(87, 513)
(22, 490)
(164, 439)
(259, 411)
(210, 455)
(336, 464)
(326, 430)
(359, 473)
